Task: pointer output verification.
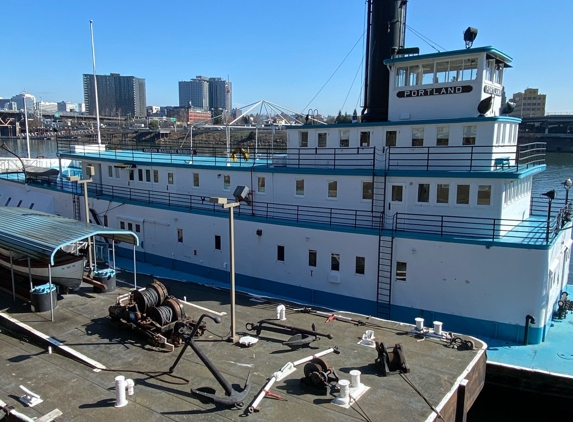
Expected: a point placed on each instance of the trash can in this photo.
(107, 277)
(40, 297)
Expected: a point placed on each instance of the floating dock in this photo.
(72, 364)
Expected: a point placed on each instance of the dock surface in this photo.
(81, 323)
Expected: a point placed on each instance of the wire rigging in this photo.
(333, 73)
(425, 39)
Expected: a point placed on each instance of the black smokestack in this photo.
(385, 35)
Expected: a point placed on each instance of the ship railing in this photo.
(298, 213)
(237, 156)
(532, 231)
(467, 158)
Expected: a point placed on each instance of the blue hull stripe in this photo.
(469, 326)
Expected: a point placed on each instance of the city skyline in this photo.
(305, 56)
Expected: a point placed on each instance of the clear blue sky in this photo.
(280, 51)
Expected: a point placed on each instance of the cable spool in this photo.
(176, 307)
(154, 294)
(161, 314)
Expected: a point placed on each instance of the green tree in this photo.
(153, 125)
(343, 119)
(218, 117)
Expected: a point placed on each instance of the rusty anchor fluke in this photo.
(233, 398)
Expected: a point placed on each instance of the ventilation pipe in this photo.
(528, 321)
(122, 386)
(281, 312)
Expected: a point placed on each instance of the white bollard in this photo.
(344, 396)
(130, 385)
(355, 379)
(281, 312)
(438, 328)
(419, 324)
(120, 385)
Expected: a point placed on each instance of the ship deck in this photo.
(82, 394)
(545, 367)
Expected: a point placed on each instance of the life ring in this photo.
(244, 153)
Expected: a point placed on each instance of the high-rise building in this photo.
(19, 100)
(47, 107)
(220, 94)
(205, 93)
(529, 103)
(117, 95)
(67, 107)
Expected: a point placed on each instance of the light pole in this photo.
(230, 205)
(551, 195)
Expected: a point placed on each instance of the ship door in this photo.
(396, 202)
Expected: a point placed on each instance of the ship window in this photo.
(110, 171)
(423, 192)
(148, 175)
(443, 138)
(463, 194)
(443, 194)
(414, 75)
(137, 228)
(303, 139)
(364, 139)
(19, 203)
(401, 268)
(335, 262)
(31, 205)
(131, 174)
(280, 253)
(417, 136)
(332, 189)
(484, 195)
(140, 175)
(226, 182)
(469, 135)
(155, 176)
(261, 185)
(322, 140)
(312, 258)
(442, 72)
(344, 138)
(117, 172)
(170, 178)
(366, 190)
(180, 235)
(469, 71)
(299, 186)
(360, 264)
(391, 138)
(130, 226)
(401, 76)
(217, 242)
(122, 225)
(7, 202)
(105, 222)
(196, 180)
(397, 191)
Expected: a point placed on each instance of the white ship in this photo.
(424, 208)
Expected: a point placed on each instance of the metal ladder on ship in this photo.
(385, 247)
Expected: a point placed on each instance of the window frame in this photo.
(280, 253)
(303, 139)
(458, 187)
(297, 190)
(360, 267)
(423, 197)
(312, 257)
(332, 189)
(335, 262)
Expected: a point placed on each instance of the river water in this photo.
(494, 403)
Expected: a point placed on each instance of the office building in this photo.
(19, 100)
(205, 93)
(529, 103)
(117, 95)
